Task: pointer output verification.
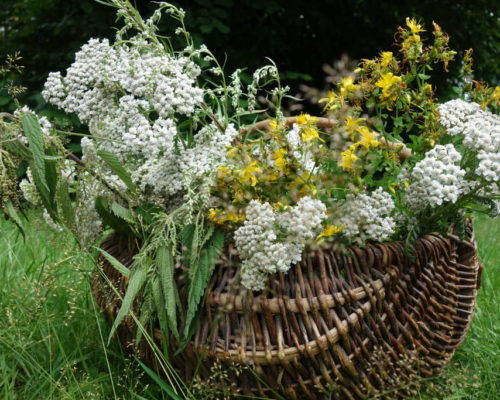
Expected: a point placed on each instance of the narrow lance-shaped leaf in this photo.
(122, 269)
(108, 217)
(52, 177)
(117, 167)
(147, 311)
(159, 303)
(122, 212)
(33, 133)
(202, 271)
(135, 283)
(65, 207)
(12, 213)
(166, 266)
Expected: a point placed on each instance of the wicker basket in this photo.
(341, 325)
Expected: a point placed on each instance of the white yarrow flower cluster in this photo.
(481, 134)
(270, 242)
(454, 114)
(131, 96)
(367, 217)
(436, 179)
(173, 171)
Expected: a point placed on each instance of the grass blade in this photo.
(166, 388)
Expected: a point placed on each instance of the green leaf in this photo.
(122, 269)
(148, 211)
(67, 213)
(135, 284)
(117, 167)
(33, 132)
(20, 149)
(51, 175)
(166, 267)
(122, 212)
(4, 100)
(200, 272)
(166, 388)
(12, 213)
(108, 217)
(145, 317)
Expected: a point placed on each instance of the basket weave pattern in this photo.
(348, 325)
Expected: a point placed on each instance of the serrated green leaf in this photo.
(108, 217)
(135, 284)
(122, 269)
(116, 166)
(19, 149)
(33, 133)
(187, 236)
(160, 307)
(122, 212)
(200, 272)
(166, 268)
(146, 314)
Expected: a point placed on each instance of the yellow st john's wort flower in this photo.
(223, 171)
(306, 119)
(385, 58)
(332, 100)
(220, 217)
(347, 86)
(330, 230)
(386, 83)
(309, 133)
(427, 89)
(413, 25)
(348, 158)
(279, 159)
(248, 174)
(231, 153)
(277, 125)
(493, 99)
(368, 138)
(352, 125)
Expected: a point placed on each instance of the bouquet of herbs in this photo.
(173, 160)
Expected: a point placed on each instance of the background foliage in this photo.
(299, 36)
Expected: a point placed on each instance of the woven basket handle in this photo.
(327, 123)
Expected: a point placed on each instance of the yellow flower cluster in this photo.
(222, 217)
(266, 168)
(347, 90)
(308, 128)
(366, 139)
(390, 85)
(330, 230)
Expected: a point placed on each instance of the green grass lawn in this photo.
(53, 339)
